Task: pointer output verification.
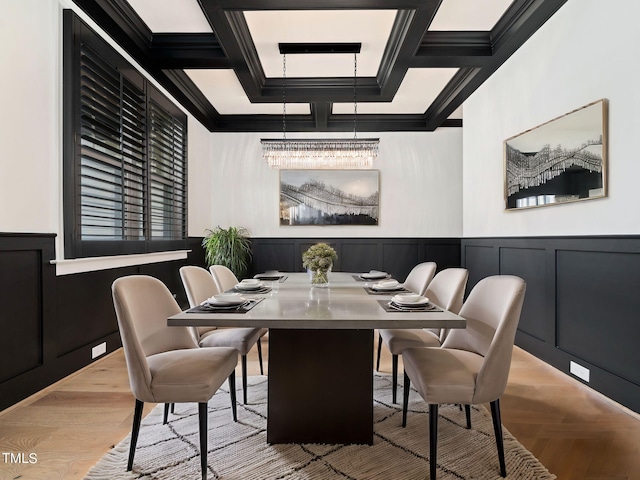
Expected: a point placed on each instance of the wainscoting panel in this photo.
(21, 342)
(394, 255)
(582, 303)
(481, 261)
(360, 252)
(85, 308)
(528, 263)
(598, 309)
(400, 257)
(276, 255)
(28, 296)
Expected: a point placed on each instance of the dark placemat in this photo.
(244, 308)
(358, 278)
(268, 278)
(264, 289)
(429, 307)
(372, 291)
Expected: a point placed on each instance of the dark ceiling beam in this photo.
(321, 112)
(318, 4)
(264, 123)
(193, 50)
(519, 22)
(453, 49)
(409, 28)
(339, 89)
(231, 30)
(377, 123)
(122, 23)
(190, 96)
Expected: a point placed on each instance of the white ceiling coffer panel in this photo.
(223, 90)
(473, 15)
(418, 89)
(369, 27)
(172, 16)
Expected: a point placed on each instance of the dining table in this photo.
(321, 340)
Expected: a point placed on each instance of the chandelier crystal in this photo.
(337, 153)
(325, 153)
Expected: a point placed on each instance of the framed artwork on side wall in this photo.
(329, 197)
(563, 160)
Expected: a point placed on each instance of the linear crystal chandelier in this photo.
(336, 153)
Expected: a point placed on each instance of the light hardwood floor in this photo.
(575, 432)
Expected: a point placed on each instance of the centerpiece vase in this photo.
(320, 277)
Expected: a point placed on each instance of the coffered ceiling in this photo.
(418, 60)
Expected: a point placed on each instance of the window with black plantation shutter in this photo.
(125, 154)
(167, 146)
(112, 165)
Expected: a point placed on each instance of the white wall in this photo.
(420, 186)
(30, 126)
(587, 51)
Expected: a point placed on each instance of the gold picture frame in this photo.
(561, 161)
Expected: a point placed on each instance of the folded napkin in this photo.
(386, 285)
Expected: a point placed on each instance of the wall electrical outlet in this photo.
(579, 371)
(99, 350)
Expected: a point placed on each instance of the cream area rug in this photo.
(240, 450)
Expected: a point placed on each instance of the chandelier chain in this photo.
(355, 98)
(284, 96)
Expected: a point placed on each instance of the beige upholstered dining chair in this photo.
(200, 285)
(445, 290)
(223, 276)
(419, 277)
(164, 363)
(417, 281)
(472, 366)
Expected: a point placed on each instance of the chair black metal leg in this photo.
(203, 417)
(173, 408)
(467, 411)
(497, 429)
(379, 350)
(244, 379)
(433, 439)
(232, 394)
(165, 417)
(394, 377)
(260, 356)
(405, 396)
(135, 429)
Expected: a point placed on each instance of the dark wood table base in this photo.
(320, 386)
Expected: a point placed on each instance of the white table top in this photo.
(343, 305)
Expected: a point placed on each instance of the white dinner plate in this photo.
(249, 287)
(409, 300)
(225, 300)
(373, 275)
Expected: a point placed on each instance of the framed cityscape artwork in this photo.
(563, 160)
(329, 197)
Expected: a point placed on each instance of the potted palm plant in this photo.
(230, 247)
